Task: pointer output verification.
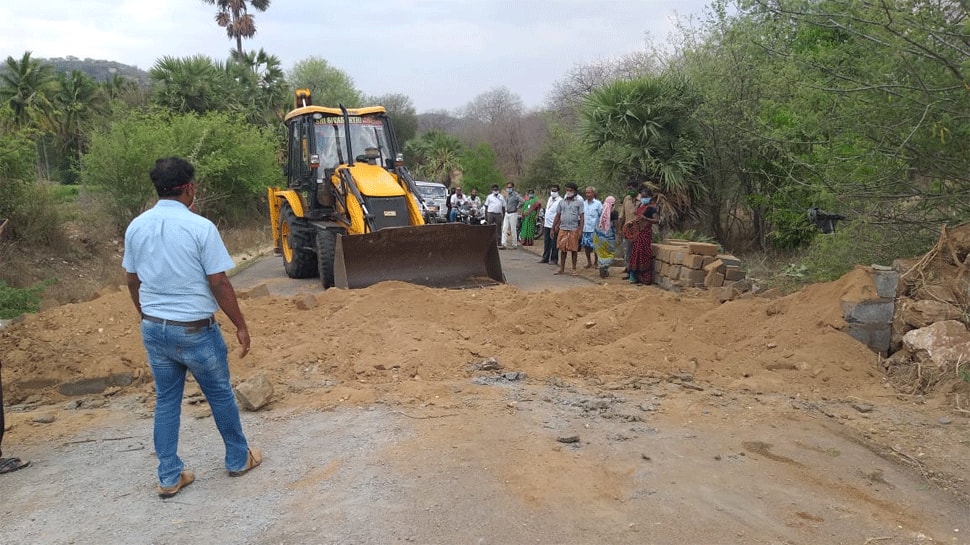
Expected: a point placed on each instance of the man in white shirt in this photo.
(495, 209)
(456, 201)
(550, 254)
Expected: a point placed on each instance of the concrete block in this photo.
(875, 336)
(96, 385)
(873, 311)
(728, 293)
(708, 259)
(716, 266)
(733, 274)
(713, 279)
(694, 261)
(677, 257)
(696, 277)
(729, 260)
(887, 283)
(675, 272)
(702, 248)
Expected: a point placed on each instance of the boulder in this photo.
(945, 343)
(927, 312)
(254, 393)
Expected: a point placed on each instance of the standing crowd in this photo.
(568, 224)
(603, 230)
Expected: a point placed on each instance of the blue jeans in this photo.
(173, 350)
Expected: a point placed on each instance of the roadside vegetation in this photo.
(744, 120)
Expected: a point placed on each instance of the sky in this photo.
(441, 53)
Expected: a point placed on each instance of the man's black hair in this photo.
(171, 175)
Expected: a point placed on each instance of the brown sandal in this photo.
(185, 479)
(255, 458)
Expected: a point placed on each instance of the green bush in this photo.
(17, 301)
(691, 235)
(25, 203)
(859, 243)
(234, 163)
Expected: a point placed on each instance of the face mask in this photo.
(631, 193)
(570, 194)
(553, 193)
(495, 192)
(645, 200)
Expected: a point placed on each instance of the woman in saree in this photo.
(641, 229)
(530, 212)
(604, 236)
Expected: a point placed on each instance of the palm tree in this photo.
(234, 16)
(27, 85)
(436, 155)
(191, 84)
(645, 129)
(646, 126)
(264, 81)
(76, 104)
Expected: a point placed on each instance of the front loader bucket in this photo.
(449, 255)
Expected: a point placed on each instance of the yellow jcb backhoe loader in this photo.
(352, 215)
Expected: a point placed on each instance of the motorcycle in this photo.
(469, 214)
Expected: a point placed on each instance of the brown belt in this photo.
(205, 322)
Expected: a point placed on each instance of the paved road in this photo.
(519, 266)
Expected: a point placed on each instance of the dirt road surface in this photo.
(610, 414)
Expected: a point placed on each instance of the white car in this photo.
(435, 197)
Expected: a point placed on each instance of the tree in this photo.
(564, 157)
(479, 169)
(234, 16)
(191, 84)
(329, 86)
(235, 162)
(568, 93)
(435, 156)
(495, 118)
(76, 104)
(645, 129)
(262, 84)
(26, 86)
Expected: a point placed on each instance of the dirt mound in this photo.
(396, 341)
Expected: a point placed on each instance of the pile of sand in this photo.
(396, 341)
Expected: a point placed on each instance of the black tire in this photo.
(299, 261)
(326, 249)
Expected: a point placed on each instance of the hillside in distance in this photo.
(98, 69)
